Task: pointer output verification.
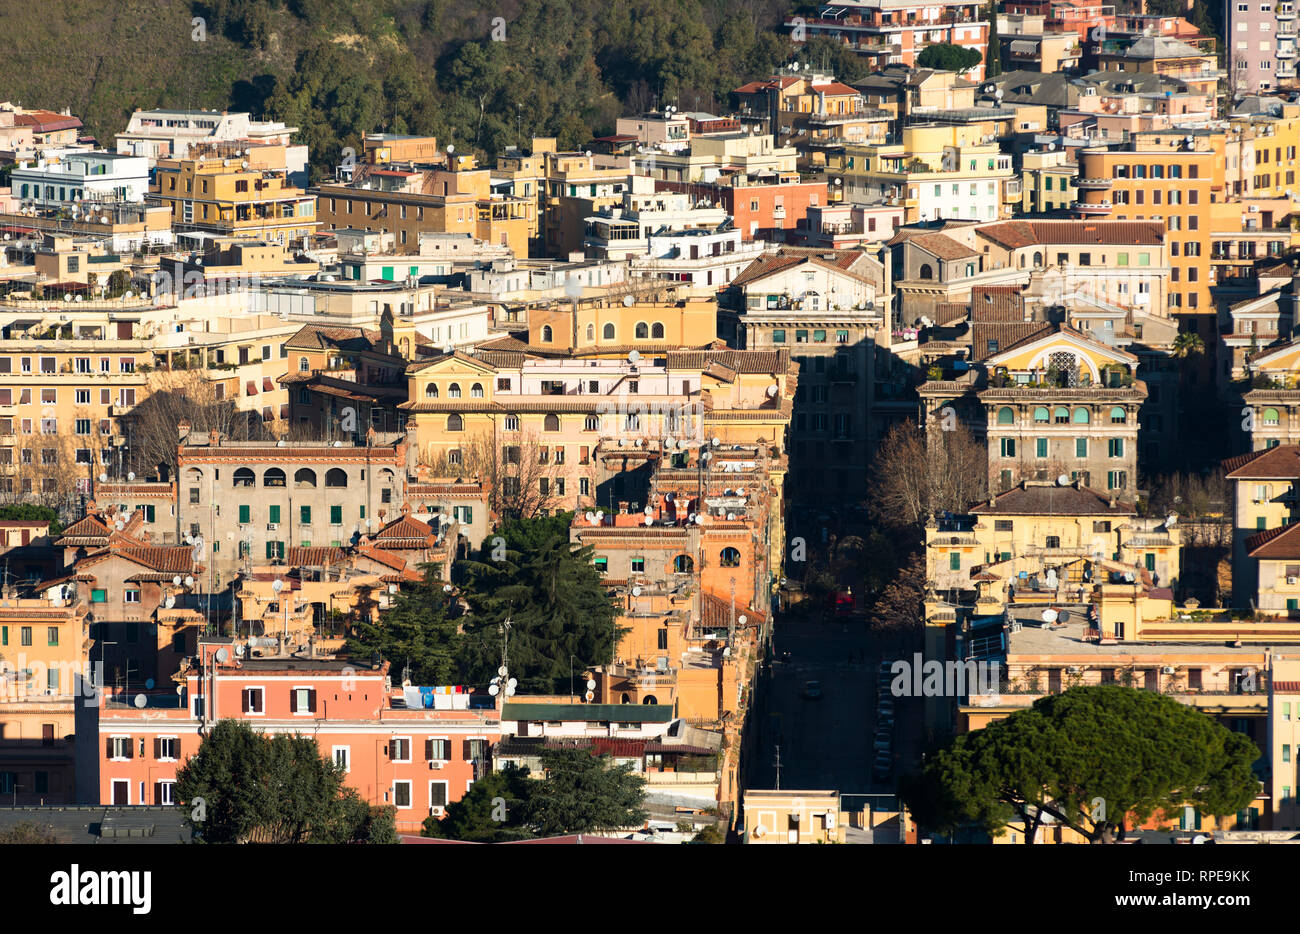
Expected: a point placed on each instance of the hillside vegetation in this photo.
(341, 68)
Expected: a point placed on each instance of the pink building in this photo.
(1261, 44)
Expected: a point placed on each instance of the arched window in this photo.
(926, 271)
(455, 423)
(626, 699)
(632, 422)
(431, 391)
(1038, 260)
(642, 331)
(1082, 416)
(304, 365)
(1006, 415)
(245, 477)
(730, 558)
(1061, 415)
(1270, 417)
(591, 332)
(1117, 416)
(453, 391)
(512, 423)
(592, 423)
(650, 699)
(273, 477)
(1041, 414)
(657, 331)
(194, 475)
(305, 477)
(608, 332)
(683, 564)
(547, 336)
(476, 391)
(551, 423)
(336, 478)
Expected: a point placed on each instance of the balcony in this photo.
(1097, 209)
(1286, 51)
(1093, 184)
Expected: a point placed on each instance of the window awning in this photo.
(267, 385)
(252, 388)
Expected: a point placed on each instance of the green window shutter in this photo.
(4, 635)
(273, 515)
(336, 515)
(1150, 561)
(363, 510)
(1080, 447)
(149, 513)
(1291, 603)
(415, 270)
(954, 561)
(99, 596)
(304, 515)
(270, 549)
(245, 515)
(386, 273)
(1259, 523)
(1041, 447)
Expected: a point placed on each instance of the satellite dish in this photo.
(171, 601)
(222, 655)
(239, 650)
(633, 357)
(600, 514)
(446, 588)
(512, 684)
(636, 591)
(590, 696)
(591, 684)
(277, 585)
(130, 475)
(742, 619)
(103, 478)
(628, 301)
(772, 391)
(493, 690)
(450, 149)
(177, 580)
(1170, 520)
(1049, 615)
(717, 442)
(392, 588)
(649, 520)
(503, 671)
(141, 701)
(591, 516)
(1063, 480)
(189, 581)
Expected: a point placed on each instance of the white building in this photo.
(67, 176)
(703, 260)
(623, 232)
(169, 134)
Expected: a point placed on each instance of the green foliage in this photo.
(276, 789)
(30, 512)
(994, 56)
(1137, 751)
(552, 594)
(417, 630)
(583, 793)
(27, 833)
(945, 56)
(476, 816)
(711, 834)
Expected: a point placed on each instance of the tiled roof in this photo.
(1282, 542)
(315, 556)
(1048, 499)
(314, 337)
(404, 529)
(943, 246)
(1006, 333)
(1281, 462)
(1018, 234)
(742, 361)
(764, 266)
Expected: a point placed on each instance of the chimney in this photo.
(622, 506)
(214, 438)
(183, 426)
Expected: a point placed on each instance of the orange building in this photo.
(418, 760)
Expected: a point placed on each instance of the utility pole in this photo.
(778, 768)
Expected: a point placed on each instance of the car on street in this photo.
(812, 690)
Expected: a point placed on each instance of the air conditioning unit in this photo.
(433, 764)
(1169, 670)
(271, 527)
(1291, 580)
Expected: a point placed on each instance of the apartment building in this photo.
(1172, 185)
(896, 31)
(230, 190)
(1260, 44)
(44, 674)
(171, 134)
(416, 759)
(623, 232)
(1263, 501)
(332, 370)
(70, 178)
(251, 500)
(26, 131)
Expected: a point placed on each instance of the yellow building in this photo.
(229, 195)
(43, 670)
(794, 817)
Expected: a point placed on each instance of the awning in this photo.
(252, 388)
(284, 410)
(267, 416)
(267, 385)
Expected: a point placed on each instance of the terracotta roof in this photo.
(1281, 462)
(835, 89)
(314, 337)
(1018, 234)
(741, 361)
(1049, 499)
(715, 612)
(1282, 542)
(1006, 333)
(46, 121)
(315, 556)
(764, 266)
(405, 529)
(943, 246)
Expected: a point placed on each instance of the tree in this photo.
(1188, 344)
(994, 55)
(554, 597)
(494, 810)
(583, 792)
(944, 56)
(1093, 759)
(417, 630)
(30, 512)
(521, 484)
(915, 476)
(26, 833)
(244, 787)
(898, 616)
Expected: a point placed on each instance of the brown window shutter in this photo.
(157, 793)
(428, 749)
(157, 748)
(108, 748)
(467, 751)
(245, 699)
(311, 700)
(293, 701)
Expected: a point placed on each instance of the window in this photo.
(1080, 447)
(168, 748)
(131, 596)
(1006, 416)
(119, 747)
(342, 756)
(1040, 447)
(302, 701)
(402, 794)
(245, 515)
(336, 515)
(251, 701)
(437, 750)
(1008, 446)
(729, 558)
(1117, 416)
(954, 561)
(399, 749)
(1040, 415)
(638, 565)
(1115, 447)
(26, 635)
